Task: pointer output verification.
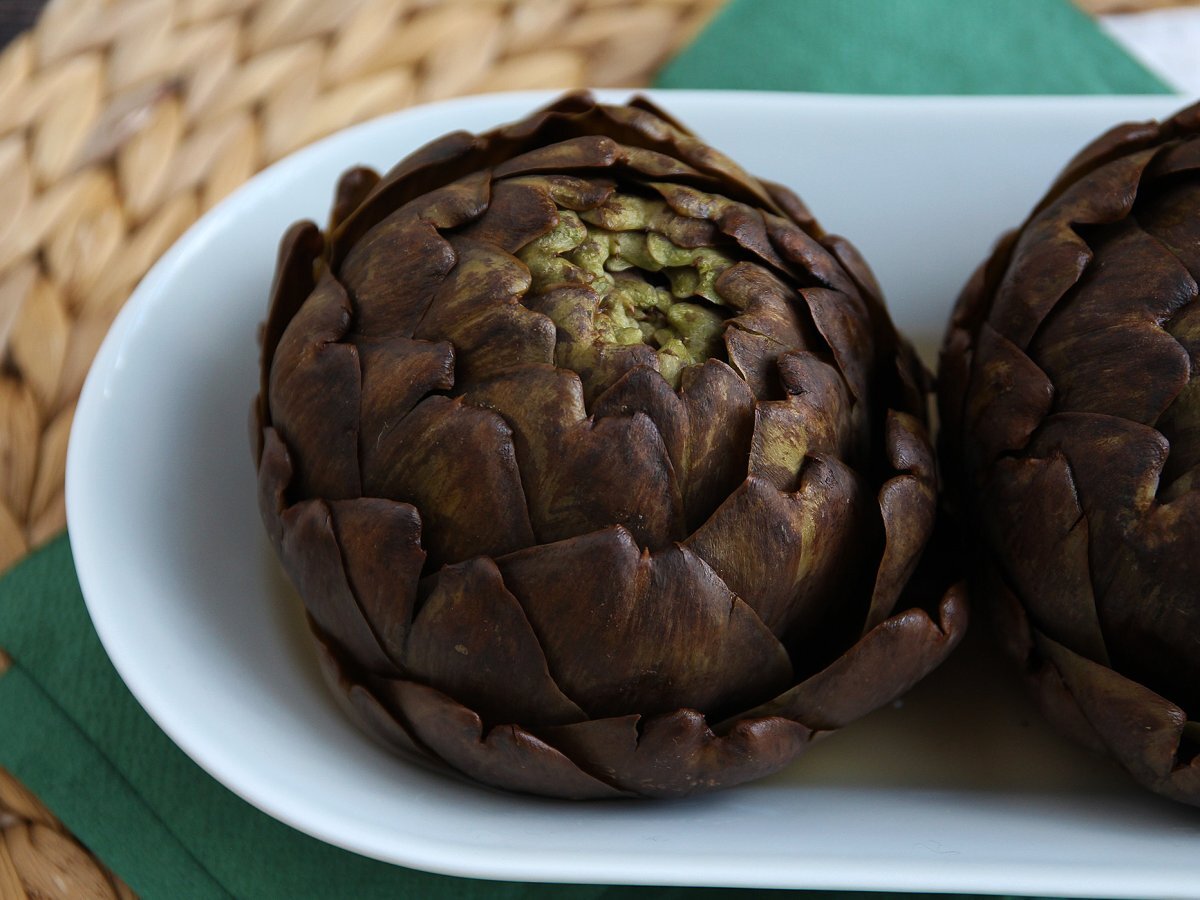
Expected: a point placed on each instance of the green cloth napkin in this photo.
(908, 47)
(71, 731)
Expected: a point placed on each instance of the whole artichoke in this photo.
(1069, 392)
(599, 467)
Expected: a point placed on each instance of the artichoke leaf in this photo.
(1141, 729)
(1049, 256)
(643, 390)
(353, 188)
(755, 358)
(499, 337)
(363, 707)
(482, 276)
(382, 558)
(293, 282)
(507, 756)
(591, 471)
(312, 559)
(588, 151)
(834, 422)
(396, 375)
(908, 507)
(1170, 217)
(1044, 535)
(743, 224)
(767, 306)
(472, 640)
(884, 664)
(790, 556)
(1104, 348)
(842, 320)
(520, 211)
(313, 392)
(720, 413)
(274, 478)
(393, 274)
(1116, 466)
(440, 161)
(804, 253)
(569, 191)
(1159, 632)
(675, 754)
(645, 632)
(486, 513)
(1010, 396)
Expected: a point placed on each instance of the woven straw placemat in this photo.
(121, 121)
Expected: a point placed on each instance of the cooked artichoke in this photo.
(599, 467)
(1069, 392)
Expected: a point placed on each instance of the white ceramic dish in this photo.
(959, 788)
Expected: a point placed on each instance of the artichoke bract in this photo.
(1069, 392)
(599, 467)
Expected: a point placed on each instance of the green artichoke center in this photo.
(651, 291)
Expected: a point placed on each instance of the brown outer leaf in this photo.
(483, 275)
(293, 281)
(818, 388)
(313, 561)
(630, 631)
(1150, 608)
(755, 358)
(382, 559)
(313, 395)
(520, 211)
(582, 474)
(393, 274)
(804, 253)
(1010, 626)
(471, 500)
(1008, 398)
(1103, 348)
(274, 477)
(766, 306)
(908, 505)
(396, 375)
(363, 708)
(1049, 256)
(643, 390)
(472, 641)
(353, 187)
(1116, 466)
(1141, 729)
(676, 754)
(720, 411)
(500, 337)
(885, 663)
(791, 556)
(844, 323)
(1041, 535)
(508, 756)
